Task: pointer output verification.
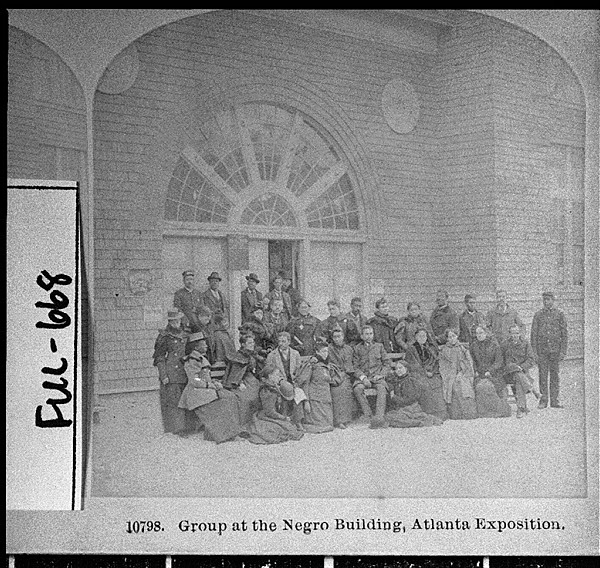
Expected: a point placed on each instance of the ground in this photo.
(541, 455)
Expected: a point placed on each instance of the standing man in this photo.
(549, 343)
(251, 297)
(502, 317)
(356, 314)
(214, 299)
(383, 325)
(336, 319)
(371, 366)
(292, 292)
(443, 317)
(169, 349)
(278, 293)
(469, 320)
(187, 300)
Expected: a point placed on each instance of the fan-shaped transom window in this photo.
(273, 152)
(270, 210)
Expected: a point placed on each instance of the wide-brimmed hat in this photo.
(253, 277)
(174, 314)
(197, 336)
(286, 390)
(214, 276)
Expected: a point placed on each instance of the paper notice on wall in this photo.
(43, 363)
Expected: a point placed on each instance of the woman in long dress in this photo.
(241, 380)
(456, 368)
(490, 389)
(216, 408)
(268, 425)
(315, 379)
(342, 395)
(422, 358)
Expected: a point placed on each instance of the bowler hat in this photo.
(174, 314)
(198, 336)
(214, 276)
(254, 277)
(286, 390)
(187, 273)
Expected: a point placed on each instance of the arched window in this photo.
(296, 174)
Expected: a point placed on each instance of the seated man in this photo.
(518, 359)
(371, 364)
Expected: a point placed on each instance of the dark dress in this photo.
(241, 380)
(487, 358)
(423, 359)
(344, 402)
(269, 426)
(302, 330)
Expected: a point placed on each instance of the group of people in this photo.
(295, 374)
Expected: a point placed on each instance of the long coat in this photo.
(383, 331)
(188, 302)
(248, 303)
(214, 304)
(302, 330)
(442, 319)
(549, 332)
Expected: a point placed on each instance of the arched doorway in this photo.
(264, 189)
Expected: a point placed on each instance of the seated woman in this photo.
(216, 408)
(408, 326)
(422, 358)
(456, 368)
(241, 380)
(404, 408)
(264, 341)
(490, 389)
(315, 379)
(268, 425)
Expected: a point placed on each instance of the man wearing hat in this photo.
(251, 297)
(214, 299)
(549, 343)
(169, 349)
(187, 300)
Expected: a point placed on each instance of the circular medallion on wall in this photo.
(400, 106)
(121, 72)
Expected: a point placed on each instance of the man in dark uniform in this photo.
(443, 317)
(549, 343)
(214, 299)
(250, 297)
(169, 349)
(303, 329)
(187, 300)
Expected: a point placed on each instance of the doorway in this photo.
(284, 255)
